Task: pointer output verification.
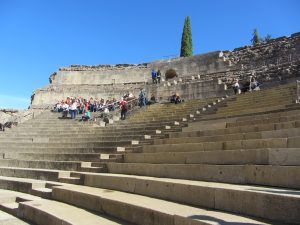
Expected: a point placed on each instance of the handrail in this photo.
(298, 91)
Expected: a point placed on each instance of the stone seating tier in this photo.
(220, 165)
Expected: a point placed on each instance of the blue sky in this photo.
(39, 36)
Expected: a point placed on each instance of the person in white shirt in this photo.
(65, 108)
(236, 87)
(73, 109)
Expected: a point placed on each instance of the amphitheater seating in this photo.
(234, 160)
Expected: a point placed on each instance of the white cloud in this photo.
(15, 102)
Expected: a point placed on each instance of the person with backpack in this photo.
(154, 74)
(124, 108)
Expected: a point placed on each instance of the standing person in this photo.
(154, 76)
(142, 98)
(124, 108)
(158, 76)
(73, 109)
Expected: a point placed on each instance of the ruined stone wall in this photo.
(141, 73)
(276, 60)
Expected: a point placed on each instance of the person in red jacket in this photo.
(124, 108)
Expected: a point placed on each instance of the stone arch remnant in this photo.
(170, 73)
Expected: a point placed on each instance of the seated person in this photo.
(254, 84)
(175, 99)
(236, 87)
(58, 107)
(86, 116)
(65, 110)
(152, 100)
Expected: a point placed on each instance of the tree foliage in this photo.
(186, 40)
(256, 38)
(268, 38)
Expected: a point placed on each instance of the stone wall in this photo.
(276, 60)
(141, 73)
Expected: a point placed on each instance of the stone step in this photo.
(10, 208)
(21, 185)
(10, 189)
(264, 121)
(54, 212)
(86, 157)
(219, 130)
(71, 180)
(8, 219)
(99, 131)
(242, 199)
(139, 209)
(66, 144)
(42, 192)
(154, 121)
(235, 112)
(285, 108)
(280, 156)
(260, 101)
(9, 152)
(257, 111)
(269, 175)
(290, 142)
(291, 132)
(90, 138)
(34, 187)
(33, 173)
(291, 111)
(82, 134)
(58, 165)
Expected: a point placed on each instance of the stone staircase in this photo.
(212, 161)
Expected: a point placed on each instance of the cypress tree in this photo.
(256, 39)
(186, 39)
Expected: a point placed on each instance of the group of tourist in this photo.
(250, 85)
(80, 105)
(156, 76)
(7, 125)
(143, 100)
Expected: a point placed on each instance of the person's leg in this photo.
(125, 112)
(75, 113)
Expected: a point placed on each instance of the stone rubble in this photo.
(19, 116)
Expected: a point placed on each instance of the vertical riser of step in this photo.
(71, 180)
(10, 208)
